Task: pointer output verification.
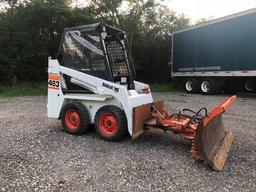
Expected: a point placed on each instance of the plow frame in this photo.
(211, 141)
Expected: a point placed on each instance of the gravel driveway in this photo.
(37, 155)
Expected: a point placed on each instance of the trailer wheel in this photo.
(75, 118)
(209, 86)
(249, 85)
(110, 123)
(190, 85)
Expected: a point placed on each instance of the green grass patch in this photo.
(29, 89)
(23, 89)
(163, 87)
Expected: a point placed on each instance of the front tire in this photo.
(111, 123)
(75, 118)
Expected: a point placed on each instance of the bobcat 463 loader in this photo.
(92, 82)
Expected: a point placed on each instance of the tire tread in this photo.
(122, 122)
(84, 118)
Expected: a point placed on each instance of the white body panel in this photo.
(105, 93)
(55, 97)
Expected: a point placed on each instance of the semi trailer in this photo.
(217, 55)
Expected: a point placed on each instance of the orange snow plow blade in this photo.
(210, 140)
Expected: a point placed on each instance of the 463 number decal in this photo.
(54, 82)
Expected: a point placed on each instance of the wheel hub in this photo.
(72, 119)
(108, 124)
(249, 85)
(189, 86)
(205, 86)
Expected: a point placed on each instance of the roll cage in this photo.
(99, 50)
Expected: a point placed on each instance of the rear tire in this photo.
(111, 123)
(190, 85)
(209, 86)
(75, 118)
(249, 85)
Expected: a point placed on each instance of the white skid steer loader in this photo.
(92, 81)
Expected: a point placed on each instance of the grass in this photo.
(163, 87)
(23, 89)
(29, 89)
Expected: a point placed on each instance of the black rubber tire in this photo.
(219, 85)
(213, 89)
(249, 85)
(83, 115)
(195, 85)
(120, 116)
(232, 86)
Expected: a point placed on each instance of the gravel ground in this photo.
(37, 155)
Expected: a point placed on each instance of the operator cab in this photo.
(98, 50)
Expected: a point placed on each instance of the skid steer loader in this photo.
(92, 81)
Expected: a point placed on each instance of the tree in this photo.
(203, 20)
(149, 26)
(31, 31)
(107, 10)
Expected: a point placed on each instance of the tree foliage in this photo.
(30, 31)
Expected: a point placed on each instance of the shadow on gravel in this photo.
(246, 95)
(166, 141)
